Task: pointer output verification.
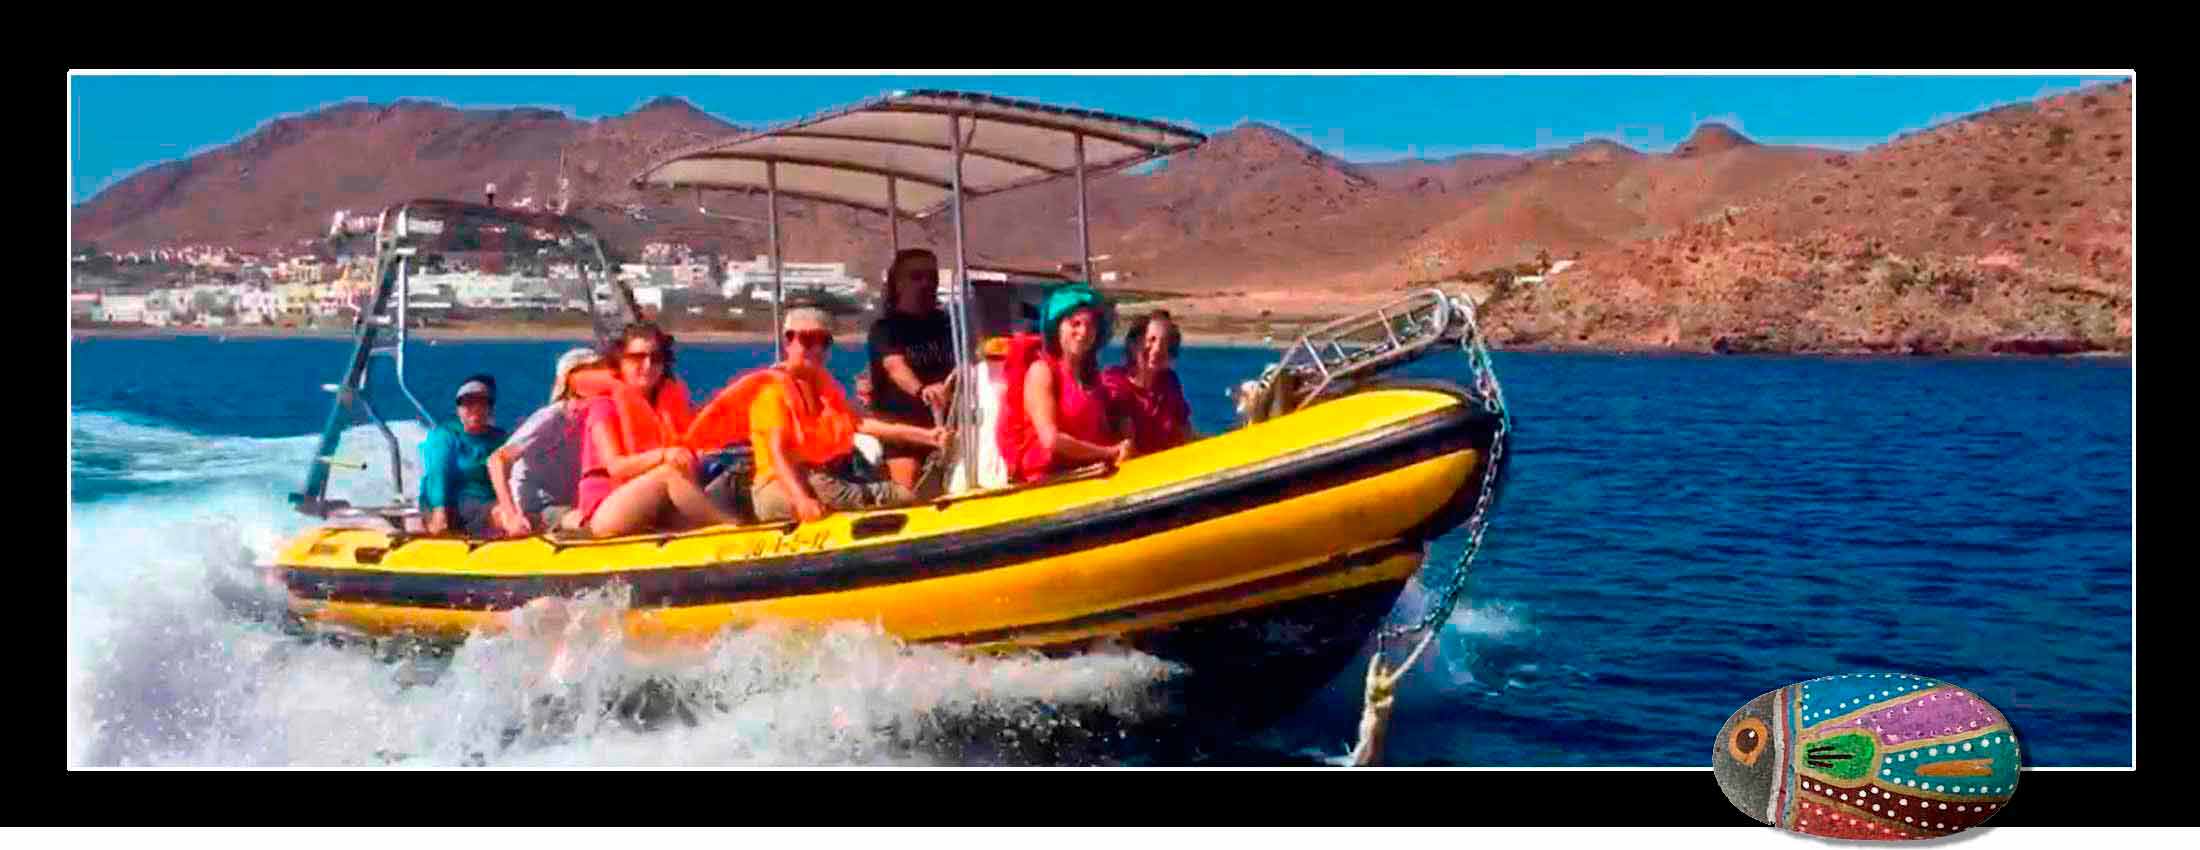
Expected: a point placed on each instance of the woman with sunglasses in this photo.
(1144, 390)
(912, 353)
(625, 488)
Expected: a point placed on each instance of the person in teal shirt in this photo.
(455, 493)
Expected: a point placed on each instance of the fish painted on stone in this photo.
(1880, 756)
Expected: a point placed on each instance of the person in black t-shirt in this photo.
(912, 354)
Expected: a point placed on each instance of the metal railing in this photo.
(1344, 352)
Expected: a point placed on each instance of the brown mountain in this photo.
(1710, 138)
(1593, 197)
(2039, 190)
(1251, 203)
(2008, 230)
(1593, 152)
(281, 183)
(1252, 200)
(1452, 174)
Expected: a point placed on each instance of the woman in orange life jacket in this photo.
(802, 433)
(626, 487)
(1058, 418)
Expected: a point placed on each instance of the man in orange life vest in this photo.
(802, 432)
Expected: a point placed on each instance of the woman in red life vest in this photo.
(1054, 413)
(633, 466)
(1144, 390)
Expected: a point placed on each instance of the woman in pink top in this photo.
(622, 493)
(1057, 418)
(1145, 391)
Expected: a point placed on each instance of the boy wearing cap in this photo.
(455, 493)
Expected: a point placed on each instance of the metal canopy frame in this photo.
(895, 158)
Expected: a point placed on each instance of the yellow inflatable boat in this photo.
(1262, 557)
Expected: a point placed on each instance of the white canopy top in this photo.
(847, 155)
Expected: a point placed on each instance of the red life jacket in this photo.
(1079, 411)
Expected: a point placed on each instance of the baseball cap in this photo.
(481, 385)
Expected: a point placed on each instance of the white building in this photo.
(122, 308)
(666, 253)
(331, 301)
(424, 292)
(166, 299)
(301, 270)
(691, 274)
(210, 297)
(257, 305)
(755, 278)
(83, 306)
(481, 290)
(466, 289)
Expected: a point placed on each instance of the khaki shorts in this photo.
(838, 493)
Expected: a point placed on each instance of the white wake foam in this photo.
(170, 664)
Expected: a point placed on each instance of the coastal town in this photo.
(214, 286)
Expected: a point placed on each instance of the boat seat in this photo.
(992, 467)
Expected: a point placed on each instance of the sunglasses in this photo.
(811, 339)
(646, 356)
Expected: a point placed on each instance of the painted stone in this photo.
(1880, 756)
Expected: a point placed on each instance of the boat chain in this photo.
(1382, 680)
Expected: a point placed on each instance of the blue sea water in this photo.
(1679, 534)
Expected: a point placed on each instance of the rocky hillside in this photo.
(2006, 231)
(2009, 230)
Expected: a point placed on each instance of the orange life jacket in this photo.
(642, 426)
(820, 433)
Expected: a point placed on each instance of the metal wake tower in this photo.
(405, 236)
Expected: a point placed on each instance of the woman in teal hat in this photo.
(1058, 418)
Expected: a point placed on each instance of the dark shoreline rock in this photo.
(2044, 346)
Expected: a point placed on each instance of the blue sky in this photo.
(122, 124)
